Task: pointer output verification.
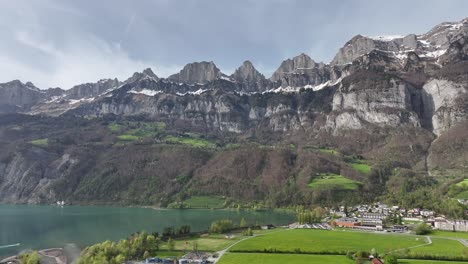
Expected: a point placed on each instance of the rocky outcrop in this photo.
(16, 96)
(27, 176)
(197, 72)
(445, 103)
(372, 100)
(249, 79)
(146, 74)
(247, 73)
(302, 71)
(88, 90)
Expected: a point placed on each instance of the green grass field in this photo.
(132, 131)
(207, 244)
(463, 183)
(205, 202)
(40, 142)
(195, 142)
(329, 180)
(236, 258)
(413, 261)
(320, 241)
(126, 137)
(440, 233)
(323, 150)
(360, 166)
(440, 247)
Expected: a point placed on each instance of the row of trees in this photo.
(173, 232)
(136, 246)
(221, 226)
(308, 217)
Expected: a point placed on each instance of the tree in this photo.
(171, 244)
(242, 222)
(423, 229)
(247, 232)
(32, 258)
(120, 258)
(221, 226)
(390, 259)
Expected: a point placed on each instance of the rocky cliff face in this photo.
(379, 95)
(197, 72)
(88, 90)
(28, 175)
(16, 96)
(302, 71)
(383, 81)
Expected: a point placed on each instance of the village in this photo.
(376, 217)
(382, 217)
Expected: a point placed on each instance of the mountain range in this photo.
(393, 103)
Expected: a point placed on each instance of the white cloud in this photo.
(85, 58)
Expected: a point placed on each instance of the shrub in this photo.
(423, 229)
(390, 259)
(221, 226)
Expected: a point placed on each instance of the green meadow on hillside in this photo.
(330, 180)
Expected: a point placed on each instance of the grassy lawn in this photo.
(360, 166)
(126, 137)
(440, 247)
(195, 142)
(40, 142)
(463, 183)
(205, 202)
(320, 241)
(323, 150)
(413, 261)
(131, 131)
(440, 233)
(326, 181)
(210, 243)
(236, 258)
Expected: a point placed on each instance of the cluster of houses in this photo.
(374, 217)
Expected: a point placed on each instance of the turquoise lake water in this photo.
(38, 227)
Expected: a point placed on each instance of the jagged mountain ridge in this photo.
(404, 57)
(385, 98)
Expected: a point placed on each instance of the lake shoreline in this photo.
(45, 226)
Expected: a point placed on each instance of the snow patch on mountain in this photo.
(147, 92)
(83, 100)
(197, 92)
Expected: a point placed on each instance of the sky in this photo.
(61, 43)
